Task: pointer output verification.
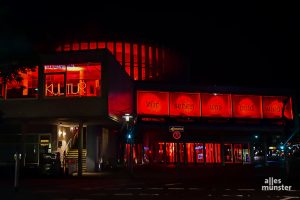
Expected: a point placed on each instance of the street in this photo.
(151, 184)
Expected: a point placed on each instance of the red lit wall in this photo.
(185, 104)
(245, 106)
(212, 105)
(216, 105)
(273, 107)
(73, 80)
(152, 103)
(140, 61)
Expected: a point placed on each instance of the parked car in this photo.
(292, 165)
(49, 164)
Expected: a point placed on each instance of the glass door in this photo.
(238, 153)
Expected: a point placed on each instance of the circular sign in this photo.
(176, 135)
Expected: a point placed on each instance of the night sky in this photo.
(254, 45)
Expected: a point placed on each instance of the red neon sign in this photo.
(216, 105)
(247, 106)
(273, 107)
(185, 104)
(152, 103)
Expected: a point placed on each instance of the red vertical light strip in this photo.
(150, 63)
(75, 46)
(110, 47)
(67, 47)
(143, 63)
(127, 58)
(119, 52)
(156, 63)
(101, 45)
(135, 61)
(93, 45)
(84, 46)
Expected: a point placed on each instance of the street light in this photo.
(129, 130)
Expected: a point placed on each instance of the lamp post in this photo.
(129, 131)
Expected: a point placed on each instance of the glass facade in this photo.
(192, 153)
(25, 88)
(73, 80)
(140, 61)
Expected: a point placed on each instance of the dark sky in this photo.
(227, 43)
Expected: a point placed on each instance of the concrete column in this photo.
(80, 146)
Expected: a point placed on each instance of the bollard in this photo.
(17, 168)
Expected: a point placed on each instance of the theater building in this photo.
(76, 100)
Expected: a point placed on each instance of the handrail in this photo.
(67, 145)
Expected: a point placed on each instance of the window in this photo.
(27, 87)
(72, 80)
(190, 152)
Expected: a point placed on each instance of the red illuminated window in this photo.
(185, 104)
(190, 150)
(27, 87)
(150, 63)
(93, 45)
(153, 66)
(75, 46)
(101, 45)
(216, 105)
(181, 152)
(55, 85)
(135, 62)
(81, 80)
(84, 46)
(152, 103)
(119, 52)
(159, 152)
(110, 47)
(67, 47)
(127, 58)
(171, 150)
(143, 62)
(245, 106)
(213, 153)
(127, 154)
(237, 153)
(273, 107)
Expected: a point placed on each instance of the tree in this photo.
(16, 56)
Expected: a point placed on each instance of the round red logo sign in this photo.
(176, 135)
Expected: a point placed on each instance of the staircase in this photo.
(73, 155)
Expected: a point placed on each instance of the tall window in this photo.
(27, 87)
(73, 80)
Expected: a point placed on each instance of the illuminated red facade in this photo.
(212, 105)
(141, 61)
(216, 105)
(96, 85)
(247, 106)
(153, 103)
(184, 104)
